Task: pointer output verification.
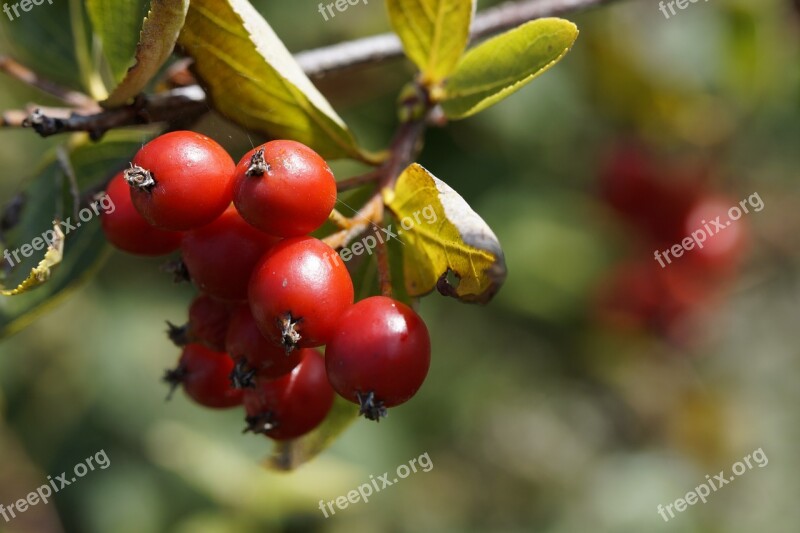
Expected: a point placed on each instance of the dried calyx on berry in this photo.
(371, 408)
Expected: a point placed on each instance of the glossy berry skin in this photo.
(298, 291)
(379, 355)
(284, 188)
(288, 407)
(125, 228)
(204, 376)
(220, 256)
(255, 355)
(181, 180)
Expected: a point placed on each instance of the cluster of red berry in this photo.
(664, 205)
(270, 293)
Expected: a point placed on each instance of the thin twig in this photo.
(190, 100)
(27, 76)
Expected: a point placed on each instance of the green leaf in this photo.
(156, 42)
(502, 65)
(444, 238)
(26, 35)
(434, 33)
(47, 197)
(116, 24)
(254, 80)
(288, 455)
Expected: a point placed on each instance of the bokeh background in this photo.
(589, 391)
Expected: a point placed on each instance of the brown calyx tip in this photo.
(290, 337)
(139, 178)
(174, 377)
(258, 165)
(179, 335)
(371, 408)
(242, 376)
(260, 423)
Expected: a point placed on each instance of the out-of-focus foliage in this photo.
(537, 414)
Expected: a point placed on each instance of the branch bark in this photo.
(191, 100)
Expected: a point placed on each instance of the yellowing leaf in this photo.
(502, 65)
(434, 33)
(444, 236)
(42, 272)
(156, 43)
(254, 80)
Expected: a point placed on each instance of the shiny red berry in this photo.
(255, 355)
(181, 180)
(379, 355)
(220, 256)
(205, 376)
(298, 292)
(125, 228)
(284, 188)
(207, 325)
(290, 406)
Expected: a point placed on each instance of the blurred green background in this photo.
(538, 414)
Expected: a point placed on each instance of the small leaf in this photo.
(116, 24)
(156, 42)
(42, 272)
(444, 238)
(254, 80)
(288, 455)
(47, 197)
(434, 32)
(502, 65)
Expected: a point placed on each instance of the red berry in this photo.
(125, 228)
(379, 355)
(284, 188)
(293, 405)
(298, 292)
(208, 324)
(205, 376)
(254, 354)
(220, 256)
(181, 180)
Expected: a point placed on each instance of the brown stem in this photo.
(27, 76)
(373, 176)
(384, 269)
(191, 100)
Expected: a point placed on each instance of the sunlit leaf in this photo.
(156, 42)
(444, 238)
(42, 272)
(254, 80)
(434, 32)
(502, 65)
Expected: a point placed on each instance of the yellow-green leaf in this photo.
(254, 80)
(502, 65)
(434, 33)
(42, 272)
(156, 42)
(443, 236)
